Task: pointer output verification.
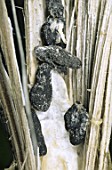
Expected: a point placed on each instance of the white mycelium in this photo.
(61, 155)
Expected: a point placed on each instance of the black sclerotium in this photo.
(76, 120)
(39, 135)
(55, 55)
(52, 32)
(41, 92)
(55, 8)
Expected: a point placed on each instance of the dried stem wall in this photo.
(12, 96)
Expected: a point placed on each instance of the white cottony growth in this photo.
(61, 155)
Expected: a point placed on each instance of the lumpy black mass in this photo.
(53, 32)
(39, 135)
(41, 92)
(76, 120)
(55, 55)
(55, 8)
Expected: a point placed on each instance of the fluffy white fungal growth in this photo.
(61, 155)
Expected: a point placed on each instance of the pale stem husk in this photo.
(7, 45)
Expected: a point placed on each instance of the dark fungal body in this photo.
(39, 135)
(55, 8)
(41, 92)
(53, 30)
(76, 120)
(55, 56)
